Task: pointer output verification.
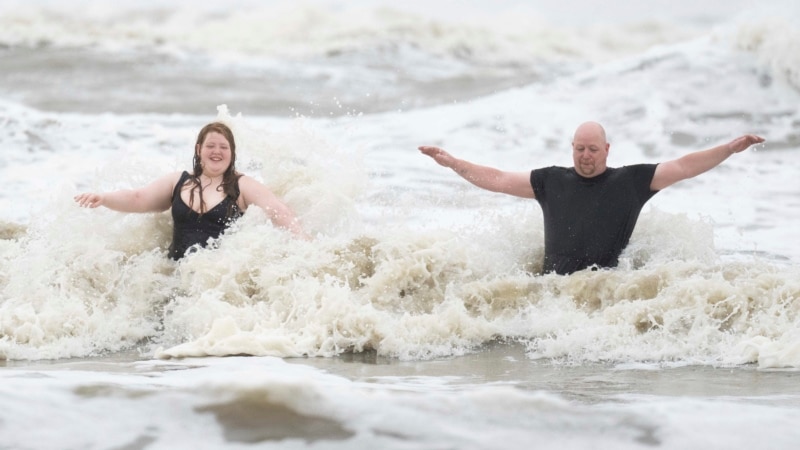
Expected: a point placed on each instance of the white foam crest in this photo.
(661, 237)
(443, 293)
(774, 37)
(773, 350)
(673, 298)
(497, 36)
(291, 298)
(404, 293)
(78, 284)
(687, 312)
(320, 181)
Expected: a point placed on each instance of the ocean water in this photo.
(418, 316)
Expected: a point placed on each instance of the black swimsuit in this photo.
(191, 228)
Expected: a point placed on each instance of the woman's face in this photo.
(215, 154)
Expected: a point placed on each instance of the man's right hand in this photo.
(743, 142)
(439, 155)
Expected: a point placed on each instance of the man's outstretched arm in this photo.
(491, 179)
(693, 164)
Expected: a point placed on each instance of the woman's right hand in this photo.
(89, 200)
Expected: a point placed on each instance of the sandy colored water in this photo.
(506, 363)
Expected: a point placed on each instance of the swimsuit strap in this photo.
(184, 176)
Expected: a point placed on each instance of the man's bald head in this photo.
(591, 131)
(590, 149)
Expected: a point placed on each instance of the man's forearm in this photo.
(481, 176)
(696, 163)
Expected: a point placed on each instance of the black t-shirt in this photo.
(589, 221)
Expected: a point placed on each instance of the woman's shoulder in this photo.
(170, 182)
(250, 187)
(175, 177)
(246, 180)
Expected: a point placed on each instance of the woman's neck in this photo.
(207, 179)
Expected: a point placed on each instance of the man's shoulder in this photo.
(638, 167)
(640, 174)
(551, 172)
(553, 169)
(632, 170)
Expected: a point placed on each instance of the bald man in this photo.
(590, 209)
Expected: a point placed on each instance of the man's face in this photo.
(589, 153)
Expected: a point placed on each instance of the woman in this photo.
(205, 202)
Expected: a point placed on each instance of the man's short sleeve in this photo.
(539, 180)
(642, 175)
